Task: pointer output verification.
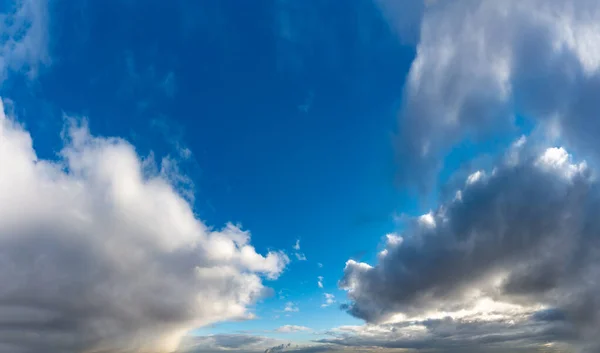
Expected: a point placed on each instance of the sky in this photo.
(299, 176)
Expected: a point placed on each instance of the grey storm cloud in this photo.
(480, 64)
(458, 335)
(527, 233)
(524, 233)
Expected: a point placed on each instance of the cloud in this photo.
(291, 307)
(524, 234)
(24, 41)
(227, 343)
(100, 253)
(320, 265)
(300, 256)
(292, 328)
(470, 335)
(329, 299)
(320, 282)
(480, 64)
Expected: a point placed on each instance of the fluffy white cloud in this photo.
(480, 63)
(520, 242)
(320, 281)
(97, 253)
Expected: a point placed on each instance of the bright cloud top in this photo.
(99, 253)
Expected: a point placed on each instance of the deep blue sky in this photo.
(289, 110)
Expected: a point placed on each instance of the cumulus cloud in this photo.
(320, 281)
(516, 250)
(523, 234)
(100, 253)
(479, 64)
(292, 328)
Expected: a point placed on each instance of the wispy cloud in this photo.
(320, 281)
(299, 255)
(292, 328)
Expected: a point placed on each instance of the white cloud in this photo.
(329, 299)
(320, 281)
(297, 245)
(291, 307)
(292, 328)
(320, 265)
(98, 255)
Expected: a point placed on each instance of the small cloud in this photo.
(329, 299)
(300, 256)
(292, 328)
(320, 265)
(320, 281)
(291, 307)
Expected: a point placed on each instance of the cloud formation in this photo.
(100, 253)
(481, 64)
(523, 234)
(228, 343)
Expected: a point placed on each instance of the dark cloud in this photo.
(457, 335)
(524, 234)
(250, 344)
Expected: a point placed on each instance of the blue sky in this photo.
(289, 117)
(404, 168)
